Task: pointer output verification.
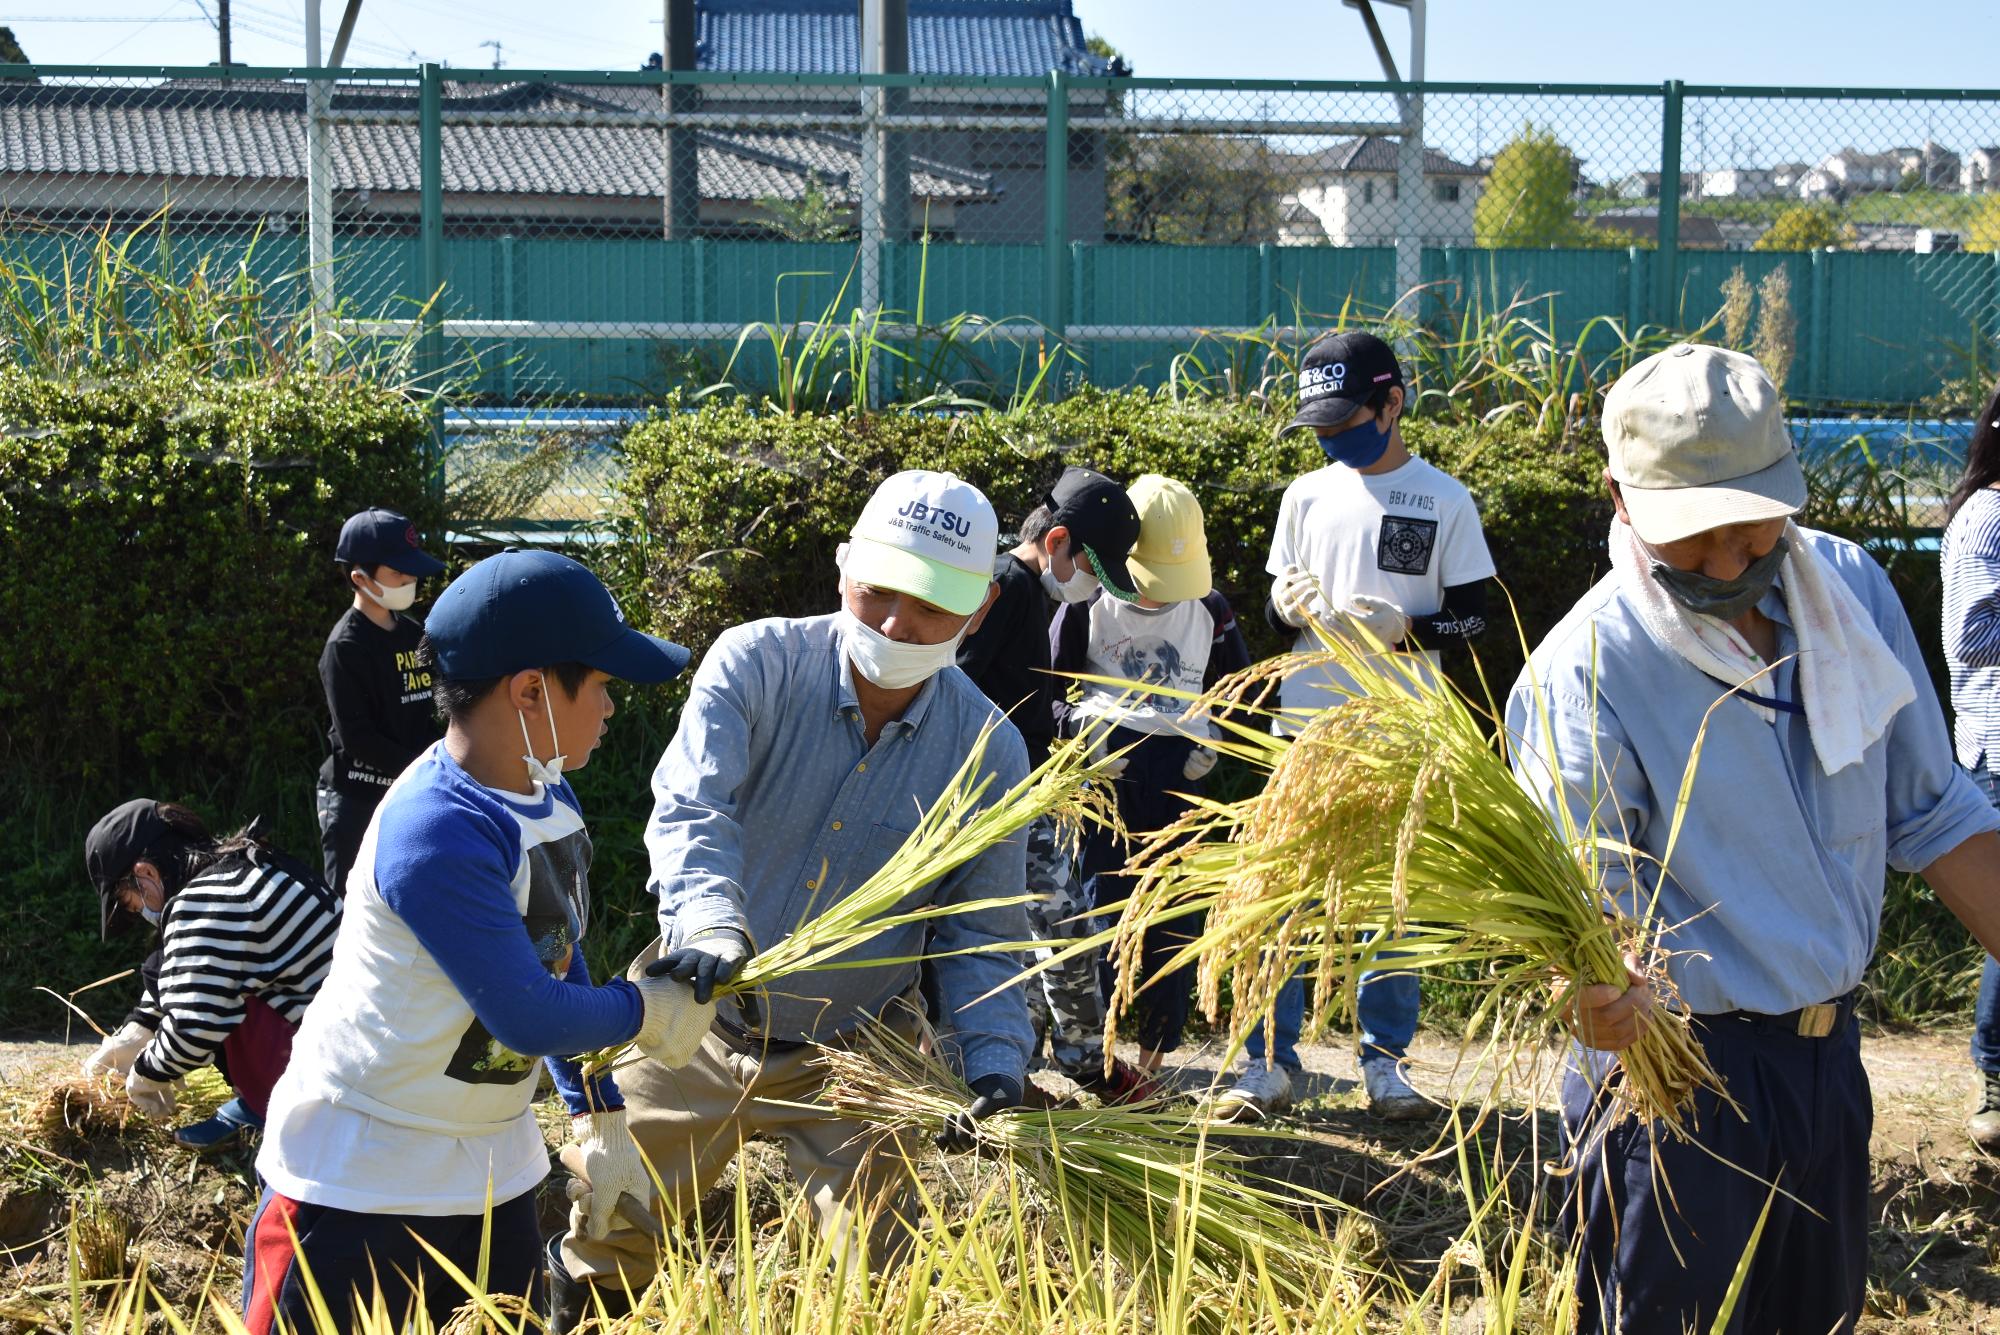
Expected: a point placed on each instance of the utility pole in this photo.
(496, 52)
(222, 28)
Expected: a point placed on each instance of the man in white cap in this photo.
(806, 752)
(1824, 760)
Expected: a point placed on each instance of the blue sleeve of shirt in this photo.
(1933, 807)
(993, 1036)
(694, 842)
(578, 1094)
(448, 874)
(1570, 752)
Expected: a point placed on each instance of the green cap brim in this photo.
(959, 592)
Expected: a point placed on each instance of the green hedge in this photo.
(731, 514)
(166, 582)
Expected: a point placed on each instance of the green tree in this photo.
(1530, 197)
(1194, 189)
(1983, 231)
(1803, 227)
(10, 50)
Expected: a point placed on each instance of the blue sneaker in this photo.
(231, 1123)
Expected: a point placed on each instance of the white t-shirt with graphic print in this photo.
(1167, 646)
(1402, 536)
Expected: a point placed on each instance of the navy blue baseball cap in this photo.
(385, 538)
(523, 609)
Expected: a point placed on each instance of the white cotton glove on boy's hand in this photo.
(1294, 593)
(1199, 762)
(1107, 765)
(113, 1057)
(1379, 617)
(155, 1098)
(675, 1022)
(607, 1164)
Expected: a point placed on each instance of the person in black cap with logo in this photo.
(1381, 540)
(245, 936)
(377, 694)
(403, 1128)
(1072, 544)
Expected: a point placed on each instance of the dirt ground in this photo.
(1936, 1253)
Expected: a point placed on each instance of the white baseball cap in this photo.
(1697, 440)
(927, 534)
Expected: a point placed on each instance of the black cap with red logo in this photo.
(385, 538)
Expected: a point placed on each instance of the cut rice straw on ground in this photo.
(1391, 826)
(959, 826)
(1147, 1184)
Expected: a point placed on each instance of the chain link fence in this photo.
(572, 247)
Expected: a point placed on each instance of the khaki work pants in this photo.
(690, 1123)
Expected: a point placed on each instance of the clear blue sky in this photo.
(1940, 43)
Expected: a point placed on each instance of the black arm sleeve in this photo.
(1461, 619)
(1069, 648)
(358, 713)
(1276, 622)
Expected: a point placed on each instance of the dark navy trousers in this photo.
(352, 1258)
(1664, 1223)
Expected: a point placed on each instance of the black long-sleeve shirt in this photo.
(1008, 657)
(380, 701)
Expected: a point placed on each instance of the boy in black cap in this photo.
(378, 696)
(1073, 543)
(404, 1122)
(1377, 539)
(245, 938)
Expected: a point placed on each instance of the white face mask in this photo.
(893, 664)
(151, 914)
(1081, 583)
(548, 771)
(397, 599)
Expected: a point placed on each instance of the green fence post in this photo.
(430, 250)
(1055, 209)
(506, 312)
(1635, 290)
(1666, 267)
(1819, 323)
(1262, 307)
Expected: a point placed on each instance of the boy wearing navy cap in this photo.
(377, 697)
(403, 1120)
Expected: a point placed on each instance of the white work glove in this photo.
(155, 1098)
(1295, 594)
(1199, 762)
(675, 1022)
(113, 1057)
(606, 1161)
(1381, 618)
(1103, 762)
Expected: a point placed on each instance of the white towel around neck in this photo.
(1850, 680)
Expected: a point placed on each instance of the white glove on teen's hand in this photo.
(1107, 765)
(1379, 617)
(1294, 593)
(675, 1022)
(606, 1160)
(1199, 762)
(113, 1057)
(155, 1098)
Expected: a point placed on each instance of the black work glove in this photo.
(992, 1093)
(704, 962)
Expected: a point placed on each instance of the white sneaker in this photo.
(1390, 1096)
(1260, 1092)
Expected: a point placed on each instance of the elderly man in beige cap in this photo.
(1825, 760)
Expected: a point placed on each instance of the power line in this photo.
(94, 18)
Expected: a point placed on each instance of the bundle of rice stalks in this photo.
(1392, 826)
(959, 826)
(1144, 1184)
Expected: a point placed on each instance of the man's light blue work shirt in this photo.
(1775, 886)
(769, 805)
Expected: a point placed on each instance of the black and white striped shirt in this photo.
(241, 928)
(1971, 568)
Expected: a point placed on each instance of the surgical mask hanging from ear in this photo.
(1359, 446)
(151, 914)
(1077, 588)
(893, 664)
(1725, 599)
(397, 599)
(548, 772)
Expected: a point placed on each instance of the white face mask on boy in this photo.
(550, 771)
(398, 598)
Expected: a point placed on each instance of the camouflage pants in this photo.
(1063, 1001)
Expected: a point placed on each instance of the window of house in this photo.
(1446, 191)
(1395, 188)
(1367, 192)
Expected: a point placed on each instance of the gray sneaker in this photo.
(1260, 1092)
(1390, 1096)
